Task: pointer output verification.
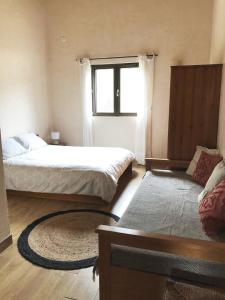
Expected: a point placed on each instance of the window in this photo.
(115, 89)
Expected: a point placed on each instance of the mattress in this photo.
(168, 204)
(92, 171)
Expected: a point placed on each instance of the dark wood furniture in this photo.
(119, 283)
(193, 120)
(53, 196)
(193, 114)
(194, 109)
(161, 163)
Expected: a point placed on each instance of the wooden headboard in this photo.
(194, 109)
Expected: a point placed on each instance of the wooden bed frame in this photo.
(120, 283)
(161, 163)
(68, 197)
(185, 133)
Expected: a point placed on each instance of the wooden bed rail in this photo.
(195, 248)
(121, 283)
(164, 163)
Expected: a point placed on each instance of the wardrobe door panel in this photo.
(194, 109)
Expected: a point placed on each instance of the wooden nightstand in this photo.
(59, 144)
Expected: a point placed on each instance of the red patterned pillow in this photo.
(212, 210)
(205, 167)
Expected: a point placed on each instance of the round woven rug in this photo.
(64, 240)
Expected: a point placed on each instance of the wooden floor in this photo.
(20, 280)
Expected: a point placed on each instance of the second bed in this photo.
(92, 171)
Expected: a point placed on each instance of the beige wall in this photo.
(218, 56)
(4, 224)
(23, 73)
(218, 32)
(178, 30)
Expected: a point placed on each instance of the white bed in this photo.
(92, 171)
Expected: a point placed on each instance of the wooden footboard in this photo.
(119, 283)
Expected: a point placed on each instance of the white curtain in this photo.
(143, 126)
(86, 97)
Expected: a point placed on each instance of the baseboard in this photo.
(6, 243)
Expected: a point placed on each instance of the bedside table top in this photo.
(59, 144)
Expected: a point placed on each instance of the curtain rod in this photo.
(117, 57)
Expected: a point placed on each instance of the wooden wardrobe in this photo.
(194, 109)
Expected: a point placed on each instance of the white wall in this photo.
(4, 223)
(218, 56)
(178, 30)
(115, 132)
(23, 68)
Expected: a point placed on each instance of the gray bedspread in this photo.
(166, 202)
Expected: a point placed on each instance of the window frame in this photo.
(116, 76)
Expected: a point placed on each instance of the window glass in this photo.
(129, 89)
(116, 89)
(104, 90)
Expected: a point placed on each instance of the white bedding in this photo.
(68, 170)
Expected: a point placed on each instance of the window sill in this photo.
(114, 115)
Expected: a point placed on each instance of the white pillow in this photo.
(11, 147)
(217, 175)
(30, 141)
(193, 163)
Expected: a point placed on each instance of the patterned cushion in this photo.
(216, 177)
(193, 163)
(212, 210)
(205, 167)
